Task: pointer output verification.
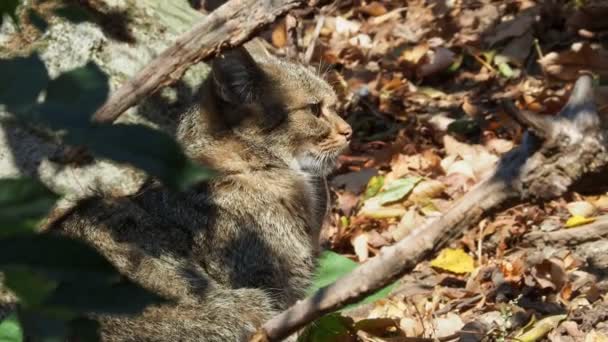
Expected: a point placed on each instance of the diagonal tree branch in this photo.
(230, 25)
(576, 146)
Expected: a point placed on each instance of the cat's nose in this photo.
(346, 131)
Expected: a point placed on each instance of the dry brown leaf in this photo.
(581, 208)
(439, 60)
(448, 325)
(415, 54)
(359, 243)
(567, 65)
(354, 181)
(346, 27)
(550, 274)
(514, 27)
(374, 9)
(410, 220)
(279, 35)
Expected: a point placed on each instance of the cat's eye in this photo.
(316, 109)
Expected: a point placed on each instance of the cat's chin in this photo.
(316, 165)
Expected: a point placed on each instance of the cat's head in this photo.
(282, 107)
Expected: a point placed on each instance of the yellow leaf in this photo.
(578, 220)
(541, 328)
(454, 260)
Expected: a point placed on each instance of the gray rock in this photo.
(154, 24)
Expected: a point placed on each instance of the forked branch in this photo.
(575, 146)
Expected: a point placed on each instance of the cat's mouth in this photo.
(321, 162)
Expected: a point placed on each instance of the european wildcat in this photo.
(237, 249)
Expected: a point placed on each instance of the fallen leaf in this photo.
(550, 273)
(448, 325)
(454, 260)
(415, 54)
(346, 27)
(373, 186)
(359, 243)
(577, 220)
(355, 181)
(581, 208)
(426, 189)
(346, 201)
(462, 167)
(410, 220)
(397, 189)
(279, 35)
(439, 60)
(540, 328)
(374, 9)
(594, 336)
(376, 326)
(514, 27)
(373, 208)
(567, 65)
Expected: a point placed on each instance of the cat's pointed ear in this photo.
(237, 77)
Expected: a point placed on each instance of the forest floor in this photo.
(421, 83)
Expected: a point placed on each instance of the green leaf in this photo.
(31, 287)
(331, 327)
(505, 70)
(23, 203)
(42, 326)
(92, 297)
(73, 97)
(148, 149)
(10, 330)
(73, 14)
(9, 7)
(397, 189)
(456, 64)
(37, 20)
(21, 81)
(85, 329)
(464, 126)
(333, 266)
(56, 257)
(373, 186)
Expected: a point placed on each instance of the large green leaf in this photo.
(42, 326)
(72, 13)
(148, 149)
(9, 7)
(23, 203)
(333, 266)
(397, 189)
(31, 287)
(85, 329)
(58, 257)
(73, 97)
(331, 327)
(22, 79)
(86, 296)
(10, 330)
(37, 20)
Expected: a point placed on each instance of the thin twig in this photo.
(313, 41)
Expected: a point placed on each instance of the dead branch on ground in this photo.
(559, 152)
(572, 236)
(230, 25)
